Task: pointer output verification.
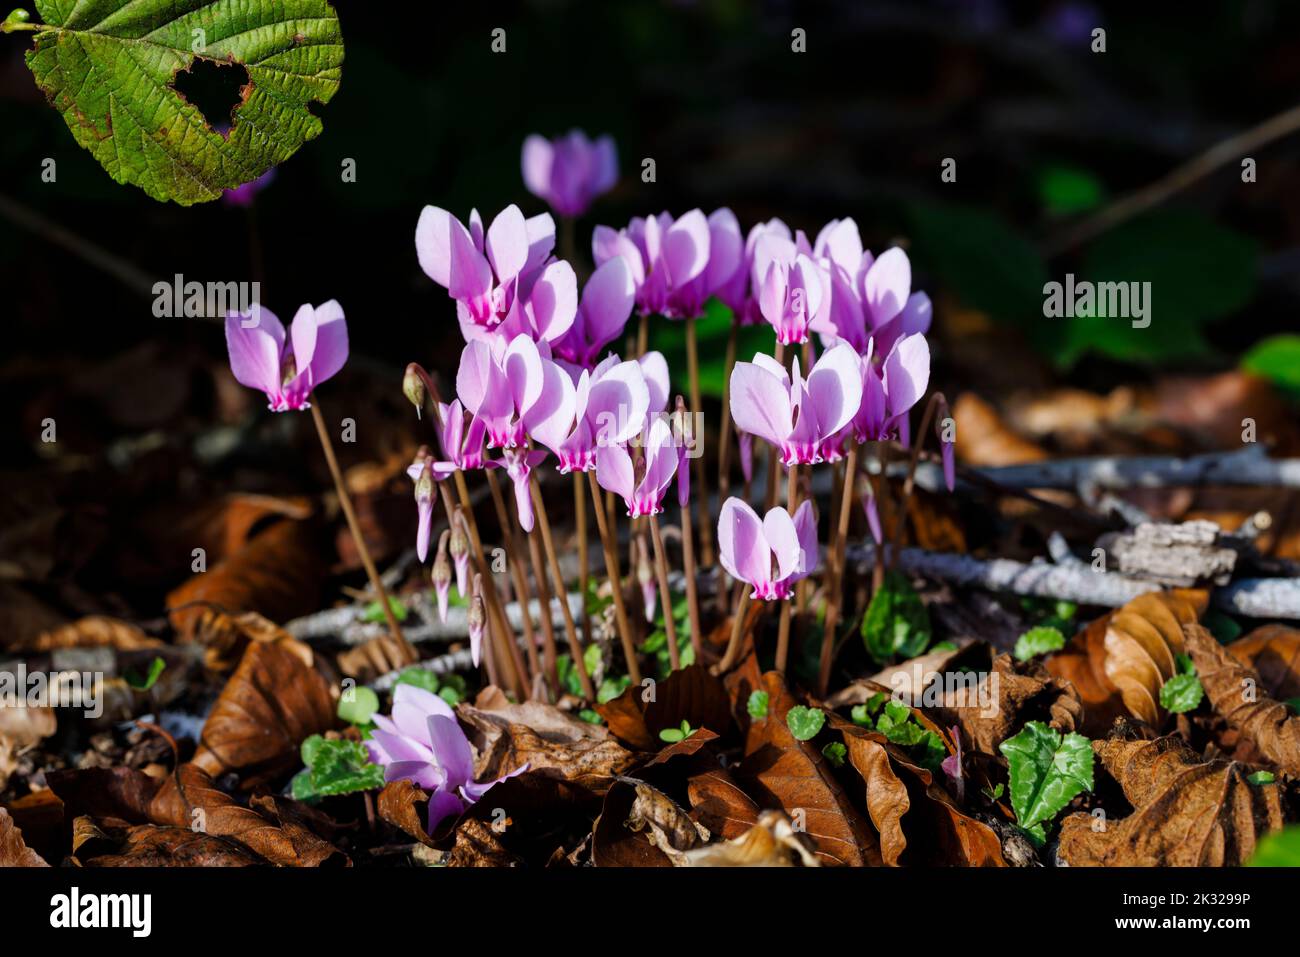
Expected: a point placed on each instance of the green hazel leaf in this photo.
(1047, 771)
(757, 704)
(1038, 641)
(1261, 777)
(362, 706)
(835, 753)
(1181, 693)
(109, 67)
(1278, 849)
(804, 723)
(420, 677)
(148, 679)
(896, 622)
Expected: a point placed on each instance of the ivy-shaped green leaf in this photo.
(1182, 692)
(334, 766)
(1047, 771)
(896, 622)
(757, 704)
(109, 67)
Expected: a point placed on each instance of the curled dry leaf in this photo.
(1187, 813)
(896, 786)
(1273, 652)
(93, 631)
(653, 819)
(20, 728)
(1234, 691)
(148, 845)
(553, 744)
(277, 574)
(406, 806)
(689, 694)
(1008, 695)
(770, 842)
(188, 798)
(14, 852)
(273, 701)
(781, 771)
(1119, 662)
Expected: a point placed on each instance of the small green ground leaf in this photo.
(1038, 641)
(1279, 849)
(896, 622)
(109, 66)
(1181, 693)
(757, 704)
(360, 706)
(804, 723)
(1277, 359)
(1047, 771)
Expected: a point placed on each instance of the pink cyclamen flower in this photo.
(642, 484)
(890, 389)
(738, 292)
(502, 279)
(606, 406)
(602, 314)
(422, 742)
(662, 254)
(797, 415)
(287, 368)
(726, 252)
(569, 172)
(791, 289)
(871, 298)
(771, 553)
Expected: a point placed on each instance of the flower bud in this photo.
(413, 388)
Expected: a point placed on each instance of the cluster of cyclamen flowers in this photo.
(537, 377)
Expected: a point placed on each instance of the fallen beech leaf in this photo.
(651, 830)
(93, 631)
(277, 574)
(1187, 813)
(1234, 692)
(118, 793)
(1273, 652)
(770, 842)
(270, 704)
(20, 728)
(1119, 662)
(689, 694)
(794, 776)
(479, 845)
(582, 755)
(1008, 696)
(405, 806)
(188, 798)
(14, 852)
(887, 799)
(147, 845)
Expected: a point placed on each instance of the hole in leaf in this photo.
(215, 88)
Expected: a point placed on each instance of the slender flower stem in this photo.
(665, 596)
(724, 443)
(500, 628)
(787, 605)
(570, 632)
(510, 535)
(701, 473)
(580, 511)
(835, 568)
(909, 484)
(615, 583)
(692, 589)
(506, 634)
(643, 335)
(737, 626)
(345, 502)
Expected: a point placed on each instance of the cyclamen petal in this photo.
(286, 369)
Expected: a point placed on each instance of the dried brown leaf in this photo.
(1188, 813)
(689, 694)
(272, 702)
(1273, 652)
(770, 842)
(1234, 691)
(93, 631)
(14, 852)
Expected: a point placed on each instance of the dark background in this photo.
(1043, 131)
